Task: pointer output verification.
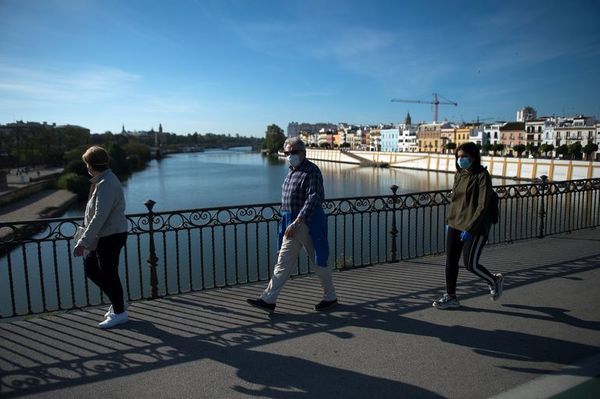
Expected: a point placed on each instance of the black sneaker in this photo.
(259, 303)
(324, 305)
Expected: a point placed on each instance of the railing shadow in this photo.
(67, 350)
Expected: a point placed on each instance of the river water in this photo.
(236, 177)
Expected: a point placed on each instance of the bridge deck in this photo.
(383, 341)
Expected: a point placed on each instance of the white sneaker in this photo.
(111, 310)
(114, 319)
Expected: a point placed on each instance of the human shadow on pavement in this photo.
(503, 344)
(66, 350)
(551, 314)
(259, 373)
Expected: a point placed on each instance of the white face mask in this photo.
(294, 160)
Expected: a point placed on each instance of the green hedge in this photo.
(76, 184)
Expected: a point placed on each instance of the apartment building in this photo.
(512, 133)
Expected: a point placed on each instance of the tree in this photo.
(118, 161)
(546, 148)
(451, 146)
(575, 150)
(562, 150)
(274, 139)
(589, 149)
(487, 148)
(497, 148)
(78, 167)
(519, 149)
(532, 149)
(75, 183)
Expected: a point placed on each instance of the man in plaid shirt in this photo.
(303, 224)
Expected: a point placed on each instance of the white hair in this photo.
(295, 142)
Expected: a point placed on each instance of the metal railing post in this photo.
(542, 212)
(394, 231)
(152, 258)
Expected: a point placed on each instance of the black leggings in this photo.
(471, 251)
(102, 267)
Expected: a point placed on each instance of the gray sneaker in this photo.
(497, 288)
(446, 302)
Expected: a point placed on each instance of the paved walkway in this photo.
(23, 179)
(384, 340)
(36, 205)
(43, 204)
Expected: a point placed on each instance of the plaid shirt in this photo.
(302, 190)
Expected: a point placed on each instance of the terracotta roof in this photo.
(513, 126)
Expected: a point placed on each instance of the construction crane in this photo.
(436, 102)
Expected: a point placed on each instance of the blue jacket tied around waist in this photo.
(317, 226)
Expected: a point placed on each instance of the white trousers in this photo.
(286, 260)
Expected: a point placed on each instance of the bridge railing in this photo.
(189, 250)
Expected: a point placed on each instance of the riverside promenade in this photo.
(43, 204)
(383, 341)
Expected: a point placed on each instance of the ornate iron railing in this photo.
(197, 249)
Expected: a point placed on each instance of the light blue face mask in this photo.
(294, 160)
(464, 162)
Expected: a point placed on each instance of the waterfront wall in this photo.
(24, 192)
(520, 168)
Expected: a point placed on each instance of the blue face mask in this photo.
(464, 162)
(294, 160)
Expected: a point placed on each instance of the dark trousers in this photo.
(471, 251)
(102, 267)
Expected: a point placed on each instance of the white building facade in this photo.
(407, 138)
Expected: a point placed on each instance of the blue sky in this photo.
(236, 66)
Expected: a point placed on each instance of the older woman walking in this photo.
(104, 233)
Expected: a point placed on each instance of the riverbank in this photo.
(43, 204)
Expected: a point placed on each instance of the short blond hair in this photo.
(96, 157)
